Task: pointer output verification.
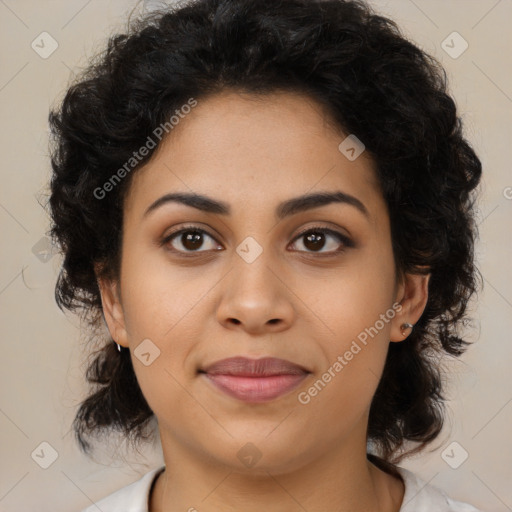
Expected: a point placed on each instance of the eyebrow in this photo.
(284, 209)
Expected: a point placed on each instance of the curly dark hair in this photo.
(375, 84)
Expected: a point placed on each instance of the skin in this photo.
(253, 153)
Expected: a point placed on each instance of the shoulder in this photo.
(422, 497)
(132, 498)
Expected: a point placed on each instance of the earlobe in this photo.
(113, 311)
(413, 298)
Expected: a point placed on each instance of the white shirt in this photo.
(419, 496)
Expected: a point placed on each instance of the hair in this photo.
(373, 82)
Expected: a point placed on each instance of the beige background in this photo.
(41, 377)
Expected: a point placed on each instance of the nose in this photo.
(255, 298)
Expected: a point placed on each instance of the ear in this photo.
(412, 295)
(113, 311)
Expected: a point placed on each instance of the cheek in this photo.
(342, 390)
(160, 327)
(356, 308)
(156, 295)
(354, 296)
(162, 314)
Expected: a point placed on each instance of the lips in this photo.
(254, 380)
(245, 367)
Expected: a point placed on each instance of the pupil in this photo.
(193, 240)
(315, 239)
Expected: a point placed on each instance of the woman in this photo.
(270, 205)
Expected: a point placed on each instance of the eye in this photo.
(189, 240)
(317, 238)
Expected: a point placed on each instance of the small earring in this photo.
(118, 346)
(406, 326)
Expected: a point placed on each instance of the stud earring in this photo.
(405, 326)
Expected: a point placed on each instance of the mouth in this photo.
(254, 380)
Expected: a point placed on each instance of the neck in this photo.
(341, 479)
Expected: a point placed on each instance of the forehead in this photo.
(254, 150)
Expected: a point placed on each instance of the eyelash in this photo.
(347, 242)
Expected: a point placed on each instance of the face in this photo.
(260, 275)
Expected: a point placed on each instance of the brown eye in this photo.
(316, 239)
(190, 240)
